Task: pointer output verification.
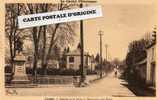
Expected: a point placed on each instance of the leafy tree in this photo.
(137, 52)
(60, 34)
(44, 38)
(36, 31)
(12, 32)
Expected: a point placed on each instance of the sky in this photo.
(121, 24)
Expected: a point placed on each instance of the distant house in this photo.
(73, 60)
(93, 64)
(53, 64)
(50, 64)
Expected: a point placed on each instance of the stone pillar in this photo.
(20, 76)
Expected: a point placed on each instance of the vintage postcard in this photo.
(79, 49)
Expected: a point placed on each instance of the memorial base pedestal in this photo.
(20, 76)
(20, 80)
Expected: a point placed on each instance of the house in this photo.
(147, 67)
(52, 63)
(151, 64)
(141, 68)
(93, 64)
(73, 60)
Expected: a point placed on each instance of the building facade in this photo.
(73, 60)
(146, 68)
(151, 64)
(141, 68)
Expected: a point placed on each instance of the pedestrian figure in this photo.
(115, 72)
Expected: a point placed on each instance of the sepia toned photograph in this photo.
(113, 55)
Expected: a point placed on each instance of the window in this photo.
(71, 66)
(71, 59)
(153, 54)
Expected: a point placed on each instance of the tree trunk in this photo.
(11, 51)
(51, 45)
(35, 50)
(44, 51)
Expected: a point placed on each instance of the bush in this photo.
(52, 71)
(28, 70)
(55, 71)
(68, 72)
(90, 72)
(8, 69)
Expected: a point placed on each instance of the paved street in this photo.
(109, 86)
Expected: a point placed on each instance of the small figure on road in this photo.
(115, 71)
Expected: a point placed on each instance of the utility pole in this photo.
(106, 48)
(83, 72)
(101, 67)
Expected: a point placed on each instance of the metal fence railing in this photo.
(51, 79)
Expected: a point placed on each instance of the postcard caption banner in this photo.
(33, 20)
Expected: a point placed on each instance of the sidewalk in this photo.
(140, 89)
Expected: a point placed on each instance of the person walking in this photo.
(115, 72)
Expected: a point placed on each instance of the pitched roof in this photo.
(142, 61)
(151, 45)
(76, 52)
